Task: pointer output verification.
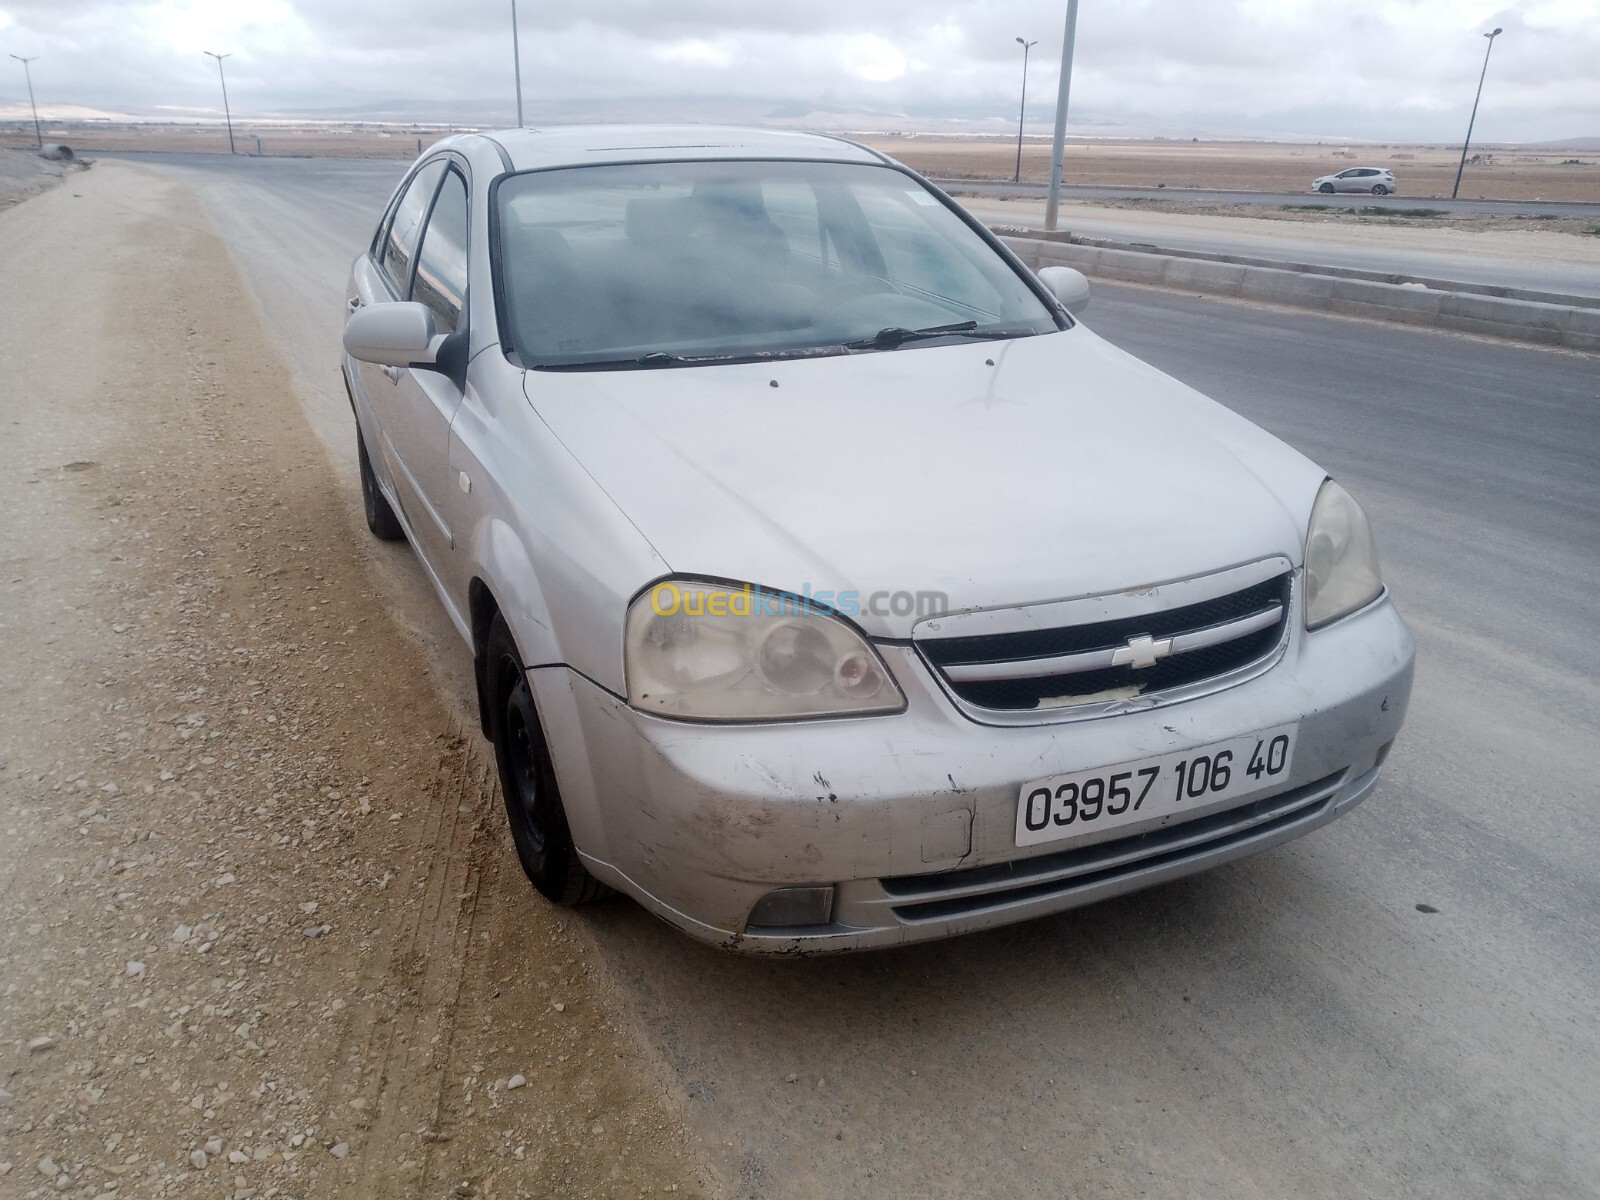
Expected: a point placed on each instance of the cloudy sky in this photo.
(1384, 69)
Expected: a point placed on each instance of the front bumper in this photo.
(912, 816)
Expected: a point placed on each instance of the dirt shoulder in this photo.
(23, 173)
(260, 931)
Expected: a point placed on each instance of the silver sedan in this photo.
(829, 583)
(1377, 180)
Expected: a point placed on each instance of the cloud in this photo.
(1389, 69)
(869, 57)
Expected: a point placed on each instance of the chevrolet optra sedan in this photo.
(829, 584)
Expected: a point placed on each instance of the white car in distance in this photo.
(1377, 180)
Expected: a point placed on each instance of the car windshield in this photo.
(657, 264)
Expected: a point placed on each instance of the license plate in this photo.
(1167, 786)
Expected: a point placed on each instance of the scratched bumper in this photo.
(912, 816)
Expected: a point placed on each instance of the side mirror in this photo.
(393, 333)
(1068, 286)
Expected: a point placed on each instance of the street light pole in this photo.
(226, 111)
(516, 60)
(1022, 112)
(1058, 147)
(1474, 118)
(28, 75)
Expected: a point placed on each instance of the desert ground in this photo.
(1506, 173)
(1500, 173)
(275, 138)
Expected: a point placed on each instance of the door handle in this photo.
(393, 373)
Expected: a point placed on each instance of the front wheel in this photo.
(1379, 190)
(1326, 189)
(528, 780)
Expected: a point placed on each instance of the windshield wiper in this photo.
(894, 335)
(666, 358)
(656, 358)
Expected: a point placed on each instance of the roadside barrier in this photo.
(1552, 320)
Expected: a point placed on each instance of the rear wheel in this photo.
(1326, 189)
(380, 517)
(528, 779)
(1379, 190)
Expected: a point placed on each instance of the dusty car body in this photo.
(845, 625)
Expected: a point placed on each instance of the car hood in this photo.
(993, 474)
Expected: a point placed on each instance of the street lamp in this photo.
(225, 110)
(1474, 118)
(1058, 144)
(516, 60)
(1023, 111)
(37, 136)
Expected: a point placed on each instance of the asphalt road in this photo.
(983, 187)
(1291, 1025)
(369, 181)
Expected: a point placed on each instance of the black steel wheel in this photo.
(528, 780)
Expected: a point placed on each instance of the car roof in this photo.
(574, 145)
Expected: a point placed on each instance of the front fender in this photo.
(506, 570)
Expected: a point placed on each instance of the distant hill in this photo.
(1581, 143)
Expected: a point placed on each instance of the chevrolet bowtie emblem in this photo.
(1141, 651)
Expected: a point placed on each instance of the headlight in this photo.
(1341, 558)
(716, 652)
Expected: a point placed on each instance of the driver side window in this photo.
(400, 241)
(441, 278)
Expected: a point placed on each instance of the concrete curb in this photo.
(1573, 326)
(1433, 282)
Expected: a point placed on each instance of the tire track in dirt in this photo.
(410, 993)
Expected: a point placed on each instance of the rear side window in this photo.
(441, 280)
(400, 243)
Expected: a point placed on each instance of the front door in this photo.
(386, 276)
(424, 402)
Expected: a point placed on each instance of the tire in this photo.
(380, 517)
(1326, 189)
(1379, 190)
(528, 779)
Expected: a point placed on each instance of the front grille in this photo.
(1011, 661)
(945, 894)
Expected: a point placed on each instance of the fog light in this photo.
(788, 907)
